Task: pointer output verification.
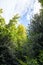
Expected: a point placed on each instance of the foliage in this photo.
(41, 1)
(19, 46)
(21, 31)
(41, 56)
(1, 11)
(29, 62)
(35, 33)
(10, 41)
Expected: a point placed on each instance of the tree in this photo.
(6, 55)
(22, 35)
(35, 37)
(21, 40)
(12, 38)
(12, 27)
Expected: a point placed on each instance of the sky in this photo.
(25, 8)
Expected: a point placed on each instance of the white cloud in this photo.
(22, 5)
(8, 7)
(36, 8)
(12, 7)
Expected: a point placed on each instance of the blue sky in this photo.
(25, 8)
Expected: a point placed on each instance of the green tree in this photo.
(12, 38)
(6, 55)
(21, 40)
(12, 27)
(22, 35)
(35, 36)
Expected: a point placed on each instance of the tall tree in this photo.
(6, 57)
(35, 36)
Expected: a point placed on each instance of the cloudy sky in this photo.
(25, 8)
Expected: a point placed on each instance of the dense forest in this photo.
(20, 45)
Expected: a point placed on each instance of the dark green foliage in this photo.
(36, 36)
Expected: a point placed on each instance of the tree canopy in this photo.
(20, 45)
